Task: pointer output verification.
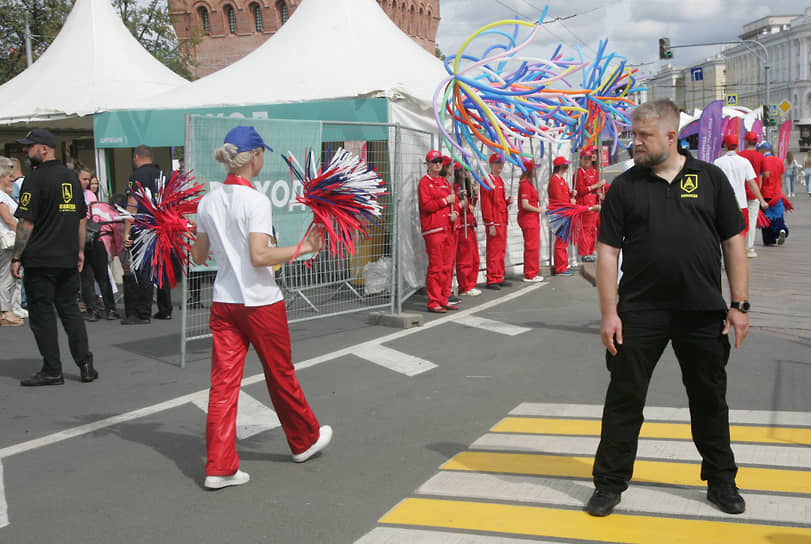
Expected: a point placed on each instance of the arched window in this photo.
(283, 13)
(232, 19)
(412, 17)
(203, 14)
(257, 17)
(421, 23)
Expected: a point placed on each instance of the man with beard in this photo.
(50, 245)
(672, 216)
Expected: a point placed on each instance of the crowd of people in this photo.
(448, 222)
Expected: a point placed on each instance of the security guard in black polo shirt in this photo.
(138, 292)
(50, 245)
(672, 216)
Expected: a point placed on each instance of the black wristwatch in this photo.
(742, 306)
(16, 260)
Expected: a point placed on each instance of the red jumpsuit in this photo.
(494, 214)
(467, 248)
(452, 245)
(559, 194)
(435, 213)
(530, 223)
(585, 178)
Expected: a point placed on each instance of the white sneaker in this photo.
(324, 438)
(536, 279)
(781, 238)
(218, 482)
(472, 293)
(751, 253)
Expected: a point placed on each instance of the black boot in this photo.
(88, 373)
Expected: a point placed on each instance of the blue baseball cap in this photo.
(246, 139)
(764, 145)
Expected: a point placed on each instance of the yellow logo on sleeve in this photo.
(689, 186)
(25, 200)
(67, 196)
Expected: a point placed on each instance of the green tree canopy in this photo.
(147, 20)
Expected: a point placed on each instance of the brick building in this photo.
(230, 29)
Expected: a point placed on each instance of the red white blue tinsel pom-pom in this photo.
(162, 234)
(343, 196)
(566, 221)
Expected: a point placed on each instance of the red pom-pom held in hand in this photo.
(343, 196)
(164, 232)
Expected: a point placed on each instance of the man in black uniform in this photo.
(138, 292)
(672, 216)
(50, 245)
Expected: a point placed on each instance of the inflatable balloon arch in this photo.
(502, 100)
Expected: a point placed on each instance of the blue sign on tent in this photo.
(697, 74)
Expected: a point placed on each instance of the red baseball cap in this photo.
(495, 157)
(529, 164)
(433, 155)
(457, 165)
(560, 161)
(445, 160)
(751, 136)
(731, 140)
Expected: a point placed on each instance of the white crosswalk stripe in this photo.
(253, 417)
(392, 359)
(491, 325)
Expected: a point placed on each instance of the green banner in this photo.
(205, 134)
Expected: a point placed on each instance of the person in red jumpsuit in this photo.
(435, 199)
(772, 191)
(494, 214)
(453, 234)
(235, 223)
(587, 187)
(467, 249)
(529, 219)
(559, 195)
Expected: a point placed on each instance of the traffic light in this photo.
(664, 49)
(768, 119)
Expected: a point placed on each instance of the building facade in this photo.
(783, 43)
(227, 30)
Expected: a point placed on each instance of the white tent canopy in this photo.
(328, 49)
(93, 65)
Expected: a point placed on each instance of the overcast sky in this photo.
(632, 27)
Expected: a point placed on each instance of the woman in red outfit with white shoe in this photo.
(467, 246)
(587, 186)
(235, 222)
(529, 219)
(560, 194)
(435, 199)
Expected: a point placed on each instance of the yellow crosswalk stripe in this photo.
(750, 478)
(574, 524)
(590, 427)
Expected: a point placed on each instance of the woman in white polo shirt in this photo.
(234, 221)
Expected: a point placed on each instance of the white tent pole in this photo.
(101, 173)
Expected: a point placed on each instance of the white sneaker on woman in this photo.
(218, 482)
(324, 438)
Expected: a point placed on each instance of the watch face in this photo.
(745, 306)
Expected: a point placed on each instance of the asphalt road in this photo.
(122, 459)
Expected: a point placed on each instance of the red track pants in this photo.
(436, 279)
(496, 248)
(234, 327)
(745, 212)
(467, 260)
(561, 256)
(450, 259)
(586, 245)
(532, 250)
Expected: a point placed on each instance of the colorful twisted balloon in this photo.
(501, 99)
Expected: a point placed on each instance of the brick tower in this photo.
(230, 29)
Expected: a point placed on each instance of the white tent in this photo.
(93, 65)
(329, 49)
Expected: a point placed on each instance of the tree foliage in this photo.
(147, 20)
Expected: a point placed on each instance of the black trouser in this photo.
(50, 288)
(138, 298)
(702, 352)
(95, 270)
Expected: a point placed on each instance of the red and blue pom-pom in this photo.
(343, 196)
(163, 234)
(566, 221)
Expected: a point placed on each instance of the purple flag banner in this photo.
(757, 128)
(782, 139)
(709, 131)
